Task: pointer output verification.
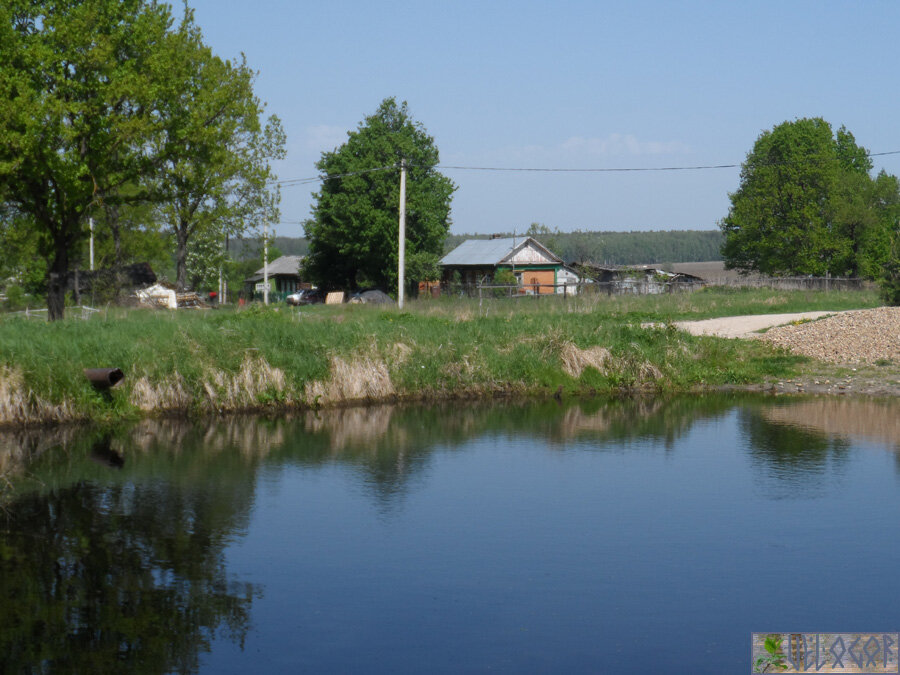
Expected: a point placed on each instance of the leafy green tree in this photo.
(215, 180)
(890, 278)
(806, 204)
(423, 266)
(103, 103)
(864, 210)
(353, 232)
(125, 233)
(20, 264)
(79, 87)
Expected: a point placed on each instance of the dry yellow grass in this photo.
(363, 378)
(20, 405)
(575, 360)
(647, 372)
(243, 389)
(170, 394)
(401, 352)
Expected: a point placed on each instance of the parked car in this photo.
(308, 296)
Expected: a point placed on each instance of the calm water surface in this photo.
(648, 536)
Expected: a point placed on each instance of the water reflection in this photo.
(120, 577)
(871, 420)
(390, 444)
(112, 541)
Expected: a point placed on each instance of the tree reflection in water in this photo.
(112, 544)
(102, 577)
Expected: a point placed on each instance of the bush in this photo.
(890, 280)
(503, 277)
(15, 298)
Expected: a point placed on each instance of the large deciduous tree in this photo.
(807, 204)
(78, 84)
(108, 103)
(353, 232)
(216, 175)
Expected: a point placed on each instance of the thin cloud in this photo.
(321, 137)
(622, 144)
(574, 151)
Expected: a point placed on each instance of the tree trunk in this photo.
(112, 220)
(56, 280)
(181, 257)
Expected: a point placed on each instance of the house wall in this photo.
(544, 276)
(543, 279)
(280, 287)
(564, 276)
(528, 255)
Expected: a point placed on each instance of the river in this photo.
(647, 535)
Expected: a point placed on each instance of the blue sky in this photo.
(571, 85)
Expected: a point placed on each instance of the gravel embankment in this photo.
(865, 336)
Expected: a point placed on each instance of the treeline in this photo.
(613, 248)
(619, 248)
(252, 248)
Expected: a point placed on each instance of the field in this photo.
(224, 360)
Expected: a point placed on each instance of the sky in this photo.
(578, 85)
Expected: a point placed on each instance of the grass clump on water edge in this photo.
(229, 360)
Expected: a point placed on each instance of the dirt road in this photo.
(853, 352)
(744, 326)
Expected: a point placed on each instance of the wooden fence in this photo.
(650, 287)
(792, 283)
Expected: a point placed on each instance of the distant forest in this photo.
(621, 248)
(611, 248)
(251, 248)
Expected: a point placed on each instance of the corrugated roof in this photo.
(286, 264)
(487, 251)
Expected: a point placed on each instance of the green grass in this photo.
(434, 349)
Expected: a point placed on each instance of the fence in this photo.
(793, 283)
(80, 312)
(652, 286)
(623, 287)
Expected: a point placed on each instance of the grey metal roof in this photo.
(484, 252)
(286, 264)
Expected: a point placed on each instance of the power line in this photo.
(601, 170)
(316, 179)
(447, 167)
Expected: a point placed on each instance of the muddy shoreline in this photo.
(820, 380)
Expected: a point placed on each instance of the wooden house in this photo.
(284, 278)
(476, 261)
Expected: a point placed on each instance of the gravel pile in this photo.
(858, 337)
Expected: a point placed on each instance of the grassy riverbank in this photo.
(226, 360)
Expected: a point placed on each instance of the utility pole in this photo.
(219, 296)
(401, 281)
(91, 221)
(266, 263)
(224, 297)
